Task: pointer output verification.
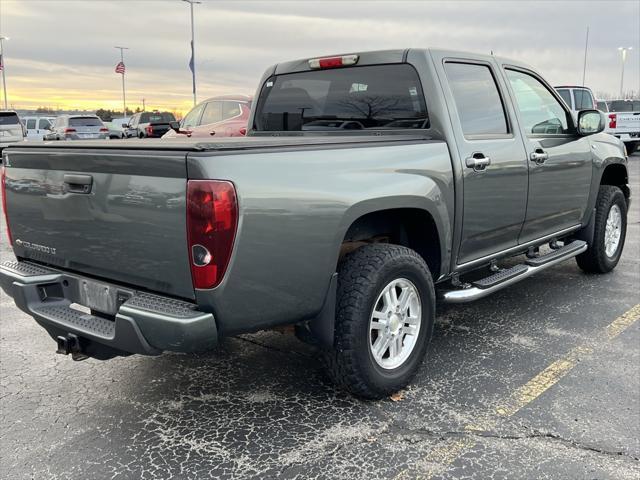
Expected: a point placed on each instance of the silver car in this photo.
(77, 127)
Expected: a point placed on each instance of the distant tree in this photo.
(105, 115)
(46, 110)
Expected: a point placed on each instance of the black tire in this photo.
(632, 147)
(595, 259)
(362, 276)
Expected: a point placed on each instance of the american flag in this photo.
(120, 67)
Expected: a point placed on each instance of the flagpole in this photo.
(586, 47)
(4, 80)
(192, 64)
(124, 98)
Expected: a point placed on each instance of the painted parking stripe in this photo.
(440, 458)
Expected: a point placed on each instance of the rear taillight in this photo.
(4, 204)
(333, 62)
(212, 217)
(613, 120)
(69, 130)
(149, 130)
(104, 129)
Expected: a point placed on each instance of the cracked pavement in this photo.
(259, 405)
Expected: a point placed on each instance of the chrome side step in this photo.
(504, 278)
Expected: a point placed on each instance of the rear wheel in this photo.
(632, 147)
(384, 320)
(609, 232)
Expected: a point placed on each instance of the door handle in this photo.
(539, 156)
(78, 183)
(478, 162)
(213, 132)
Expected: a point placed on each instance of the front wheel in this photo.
(384, 320)
(609, 232)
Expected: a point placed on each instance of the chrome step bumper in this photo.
(141, 322)
(504, 278)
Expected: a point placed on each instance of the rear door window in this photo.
(354, 98)
(582, 99)
(477, 99)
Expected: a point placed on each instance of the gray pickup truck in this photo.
(369, 186)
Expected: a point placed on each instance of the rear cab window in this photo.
(371, 97)
(157, 117)
(624, 106)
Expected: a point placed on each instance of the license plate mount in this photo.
(98, 296)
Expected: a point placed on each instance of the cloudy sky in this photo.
(60, 52)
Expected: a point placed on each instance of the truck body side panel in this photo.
(295, 208)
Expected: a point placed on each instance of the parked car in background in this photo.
(149, 124)
(77, 127)
(624, 122)
(116, 130)
(577, 98)
(223, 116)
(11, 128)
(37, 127)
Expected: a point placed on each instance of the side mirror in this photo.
(590, 122)
(175, 126)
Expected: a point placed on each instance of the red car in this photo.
(223, 116)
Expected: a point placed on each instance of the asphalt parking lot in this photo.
(541, 380)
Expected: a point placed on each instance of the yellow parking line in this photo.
(542, 382)
(623, 322)
(440, 458)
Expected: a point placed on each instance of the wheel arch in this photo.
(410, 224)
(616, 174)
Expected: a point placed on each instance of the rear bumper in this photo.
(143, 323)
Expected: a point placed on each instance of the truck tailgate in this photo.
(628, 122)
(111, 214)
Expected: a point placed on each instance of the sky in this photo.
(60, 53)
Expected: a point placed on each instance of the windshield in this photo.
(85, 122)
(355, 98)
(9, 118)
(624, 106)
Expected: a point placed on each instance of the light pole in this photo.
(192, 62)
(623, 51)
(2, 65)
(122, 70)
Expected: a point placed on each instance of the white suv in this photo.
(11, 129)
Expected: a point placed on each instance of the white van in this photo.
(37, 127)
